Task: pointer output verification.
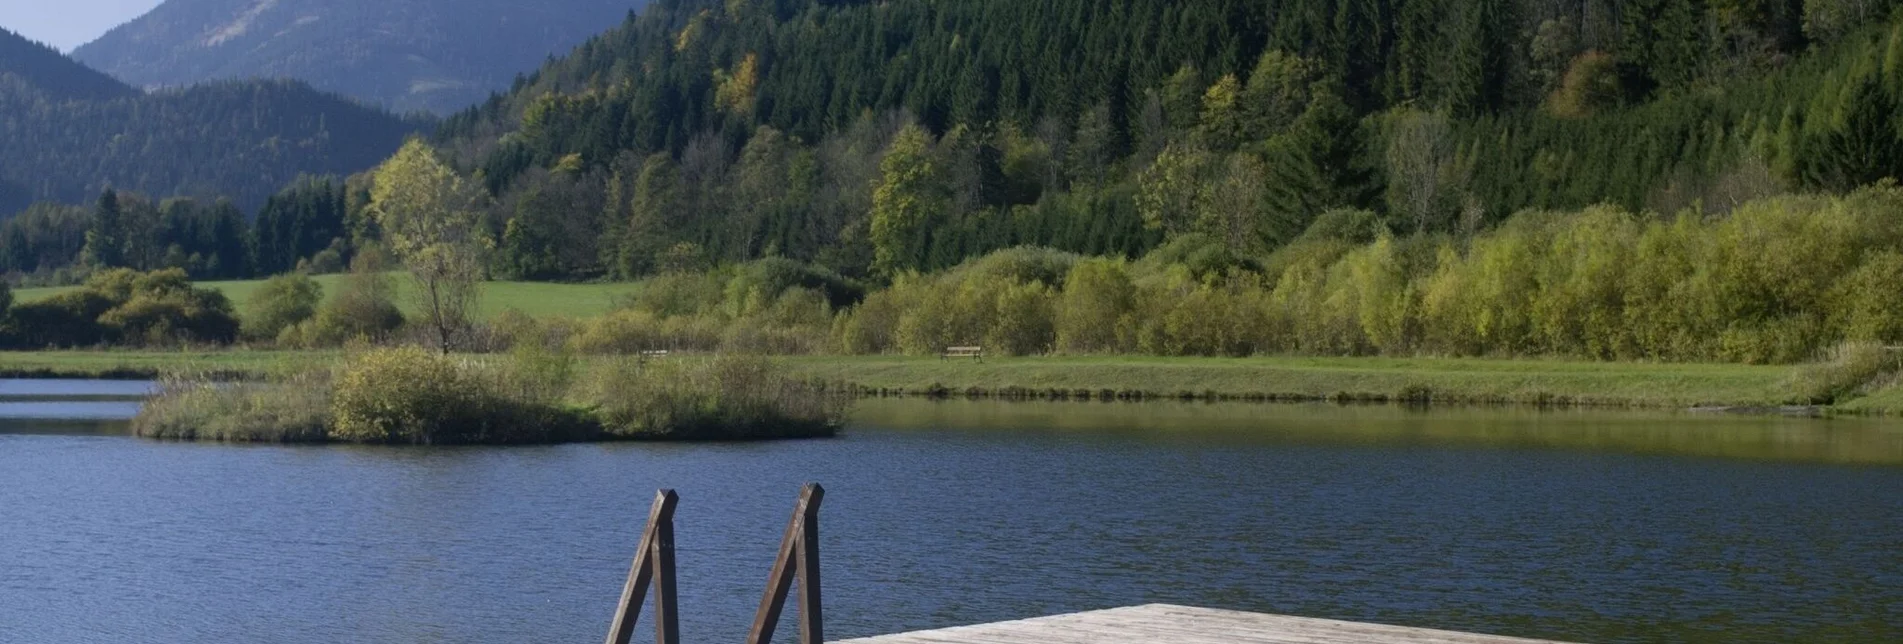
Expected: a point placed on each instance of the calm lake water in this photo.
(1588, 526)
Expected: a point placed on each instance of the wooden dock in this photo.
(1165, 624)
(796, 576)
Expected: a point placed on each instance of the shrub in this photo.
(126, 307)
(634, 331)
(1024, 323)
(872, 327)
(408, 395)
(70, 319)
(513, 328)
(764, 280)
(362, 310)
(1097, 297)
(281, 302)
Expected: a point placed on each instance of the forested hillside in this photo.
(68, 133)
(30, 66)
(404, 55)
(880, 137)
(1653, 179)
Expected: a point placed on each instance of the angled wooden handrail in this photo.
(799, 557)
(653, 565)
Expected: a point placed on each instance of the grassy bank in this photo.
(1361, 379)
(539, 299)
(1447, 380)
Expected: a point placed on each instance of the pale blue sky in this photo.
(69, 23)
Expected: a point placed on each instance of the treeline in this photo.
(874, 138)
(1780, 280)
(315, 225)
(69, 134)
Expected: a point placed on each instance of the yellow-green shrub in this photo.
(409, 395)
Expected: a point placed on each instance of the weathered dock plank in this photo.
(1162, 623)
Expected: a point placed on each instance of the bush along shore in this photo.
(407, 395)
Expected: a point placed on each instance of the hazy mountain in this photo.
(68, 132)
(438, 55)
(28, 64)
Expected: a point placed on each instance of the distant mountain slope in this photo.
(437, 55)
(68, 132)
(31, 64)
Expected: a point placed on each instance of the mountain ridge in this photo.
(71, 132)
(37, 65)
(403, 55)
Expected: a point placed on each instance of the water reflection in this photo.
(18, 389)
(1871, 441)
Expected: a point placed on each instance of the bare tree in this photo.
(1232, 205)
(1424, 171)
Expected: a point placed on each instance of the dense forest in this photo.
(724, 131)
(1211, 178)
(311, 225)
(69, 133)
(428, 55)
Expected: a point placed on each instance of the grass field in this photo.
(1436, 379)
(539, 299)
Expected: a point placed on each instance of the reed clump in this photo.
(407, 395)
(292, 409)
(727, 398)
(1847, 371)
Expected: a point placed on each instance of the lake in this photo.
(1577, 525)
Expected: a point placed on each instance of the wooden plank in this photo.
(1162, 623)
(811, 617)
(800, 543)
(655, 552)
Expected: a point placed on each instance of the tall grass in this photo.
(408, 395)
(1850, 370)
(725, 398)
(284, 410)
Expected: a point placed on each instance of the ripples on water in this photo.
(1570, 525)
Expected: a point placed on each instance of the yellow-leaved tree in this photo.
(428, 216)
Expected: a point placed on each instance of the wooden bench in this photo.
(647, 356)
(975, 353)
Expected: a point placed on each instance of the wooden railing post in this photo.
(799, 557)
(653, 565)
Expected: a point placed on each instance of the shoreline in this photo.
(1531, 382)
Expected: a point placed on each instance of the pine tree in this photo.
(1861, 145)
(1321, 163)
(105, 241)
